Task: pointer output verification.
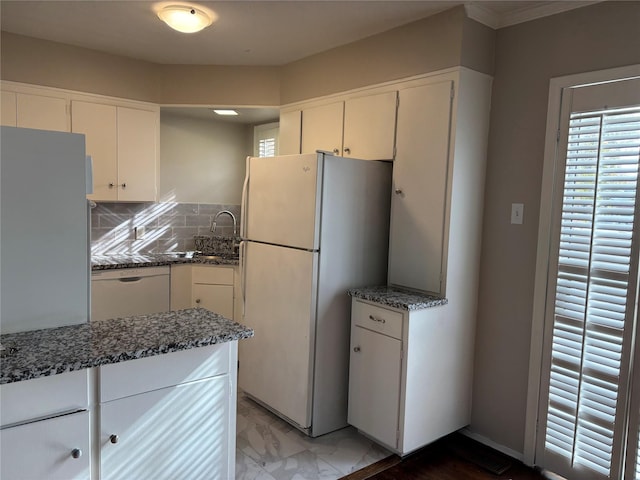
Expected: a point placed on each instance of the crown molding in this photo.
(483, 13)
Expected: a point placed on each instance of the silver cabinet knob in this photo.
(76, 453)
(197, 300)
(347, 150)
(114, 438)
(111, 185)
(399, 191)
(356, 349)
(336, 151)
(124, 185)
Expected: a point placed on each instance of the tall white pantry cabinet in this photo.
(435, 238)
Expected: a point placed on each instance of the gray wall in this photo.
(527, 56)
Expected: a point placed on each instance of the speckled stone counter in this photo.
(398, 298)
(117, 261)
(52, 351)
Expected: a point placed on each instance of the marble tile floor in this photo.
(268, 448)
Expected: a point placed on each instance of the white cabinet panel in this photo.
(370, 126)
(47, 449)
(137, 133)
(322, 128)
(44, 396)
(289, 137)
(8, 109)
(418, 206)
(216, 298)
(98, 123)
(174, 433)
(374, 385)
(41, 112)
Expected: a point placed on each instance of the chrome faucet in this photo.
(233, 217)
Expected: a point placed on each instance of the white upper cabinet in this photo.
(99, 125)
(122, 142)
(370, 126)
(322, 128)
(420, 186)
(137, 154)
(359, 127)
(41, 112)
(289, 137)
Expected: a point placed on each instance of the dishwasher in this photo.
(129, 291)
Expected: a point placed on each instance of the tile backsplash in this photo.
(168, 226)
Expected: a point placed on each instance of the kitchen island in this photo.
(150, 396)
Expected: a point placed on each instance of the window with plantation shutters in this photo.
(594, 290)
(265, 138)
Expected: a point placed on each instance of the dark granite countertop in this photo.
(117, 261)
(52, 351)
(398, 297)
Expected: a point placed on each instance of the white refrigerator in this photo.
(313, 226)
(44, 234)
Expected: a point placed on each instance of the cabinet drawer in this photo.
(388, 322)
(214, 275)
(151, 373)
(44, 396)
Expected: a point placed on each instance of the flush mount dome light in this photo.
(186, 18)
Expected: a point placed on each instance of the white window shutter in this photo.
(595, 292)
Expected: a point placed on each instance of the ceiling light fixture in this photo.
(225, 112)
(186, 18)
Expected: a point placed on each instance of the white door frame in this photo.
(544, 237)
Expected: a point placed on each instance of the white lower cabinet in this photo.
(56, 448)
(170, 416)
(173, 433)
(214, 287)
(409, 376)
(374, 388)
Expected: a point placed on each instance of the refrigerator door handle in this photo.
(243, 205)
(243, 274)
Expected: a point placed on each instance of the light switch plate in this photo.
(517, 213)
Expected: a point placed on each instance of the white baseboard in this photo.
(490, 443)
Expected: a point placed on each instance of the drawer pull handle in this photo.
(76, 453)
(376, 319)
(356, 349)
(114, 438)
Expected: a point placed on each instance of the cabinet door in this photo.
(98, 123)
(290, 133)
(418, 207)
(137, 137)
(370, 126)
(217, 298)
(322, 128)
(173, 433)
(374, 384)
(45, 449)
(41, 112)
(8, 109)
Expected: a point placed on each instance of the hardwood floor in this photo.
(454, 457)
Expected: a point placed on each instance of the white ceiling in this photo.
(263, 32)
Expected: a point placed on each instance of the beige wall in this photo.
(527, 55)
(40, 62)
(445, 40)
(202, 161)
